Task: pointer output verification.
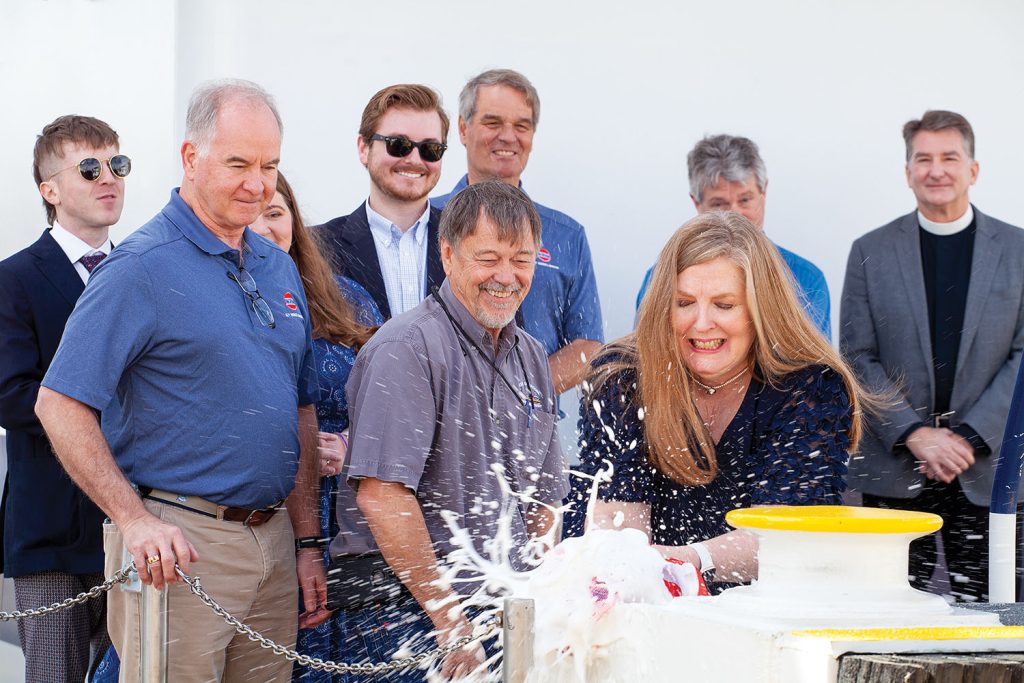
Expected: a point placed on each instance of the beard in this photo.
(397, 188)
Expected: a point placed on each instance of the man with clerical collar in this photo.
(933, 315)
(194, 340)
(53, 545)
(498, 114)
(444, 400)
(389, 244)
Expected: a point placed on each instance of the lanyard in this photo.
(529, 401)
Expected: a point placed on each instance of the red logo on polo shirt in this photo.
(289, 301)
(543, 255)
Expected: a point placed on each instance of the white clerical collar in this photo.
(73, 246)
(945, 229)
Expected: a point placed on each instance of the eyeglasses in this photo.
(91, 168)
(259, 305)
(401, 146)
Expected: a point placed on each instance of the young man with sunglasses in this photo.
(53, 546)
(389, 244)
(197, 334)
(498, 114)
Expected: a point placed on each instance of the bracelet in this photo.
(706, 563)
(309, 542)
(344, 438)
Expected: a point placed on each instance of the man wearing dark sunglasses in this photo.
(194, 339)
(498, 114)
(52, 541)
(389, 244)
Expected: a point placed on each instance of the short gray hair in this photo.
(508, 78)
(728, 157)
(506, 206)
(207, 100)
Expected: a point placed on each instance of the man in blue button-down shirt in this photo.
(727, 174)
(498, 114)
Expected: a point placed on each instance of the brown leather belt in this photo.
(246, 516)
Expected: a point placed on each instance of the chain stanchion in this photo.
(120, 577)
(326, 665)
(194, 585)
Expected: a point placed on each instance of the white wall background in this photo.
(626, 89)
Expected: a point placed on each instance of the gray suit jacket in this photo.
(884, 334)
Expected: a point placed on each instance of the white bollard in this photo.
(1002, 557)
(517, 640)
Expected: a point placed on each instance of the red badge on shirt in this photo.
(289, 301)
(543, 255)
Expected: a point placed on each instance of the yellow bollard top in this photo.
(835, 518)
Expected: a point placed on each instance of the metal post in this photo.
(517, 640)
(153, 633)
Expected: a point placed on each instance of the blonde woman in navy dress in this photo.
(725, 396)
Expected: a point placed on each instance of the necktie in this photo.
(91, 261)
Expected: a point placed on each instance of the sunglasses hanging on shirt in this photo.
(530, 401)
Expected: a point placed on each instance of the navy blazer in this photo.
(49, 524)
(352, 252)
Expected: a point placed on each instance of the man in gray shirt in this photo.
(438, 397)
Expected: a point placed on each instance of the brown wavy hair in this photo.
(785, 341)
(330, 313)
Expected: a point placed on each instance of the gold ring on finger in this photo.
(153, 559)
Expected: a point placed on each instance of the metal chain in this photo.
(326, 665)
(120, 577)
(291, 655)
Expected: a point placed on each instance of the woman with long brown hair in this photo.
(725, 396)
(343, 317)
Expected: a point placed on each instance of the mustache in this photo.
(495, 287)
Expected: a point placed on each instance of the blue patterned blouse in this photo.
(787, 445)
(333, 365)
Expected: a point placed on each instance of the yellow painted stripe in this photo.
(835, 518)
(920, 633)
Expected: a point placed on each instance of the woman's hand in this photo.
(332, 450)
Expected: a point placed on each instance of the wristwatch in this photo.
(309, 542)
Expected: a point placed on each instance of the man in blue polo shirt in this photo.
(193, 338)
(727, 174)
(498, 114)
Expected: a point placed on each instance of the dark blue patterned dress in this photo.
(787, 445)
(333, 365)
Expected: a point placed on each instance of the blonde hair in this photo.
(785, 341)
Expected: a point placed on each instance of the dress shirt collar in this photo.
(464, 183)
(387, 232)
(946, 229)
(73, 246)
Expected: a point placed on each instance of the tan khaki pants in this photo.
(250, 571)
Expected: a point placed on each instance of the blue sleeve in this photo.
(643, 287)
(308, 383)
(802, 458)
(816, 289)
(112, 326)
(582, 315)
(364, 309)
